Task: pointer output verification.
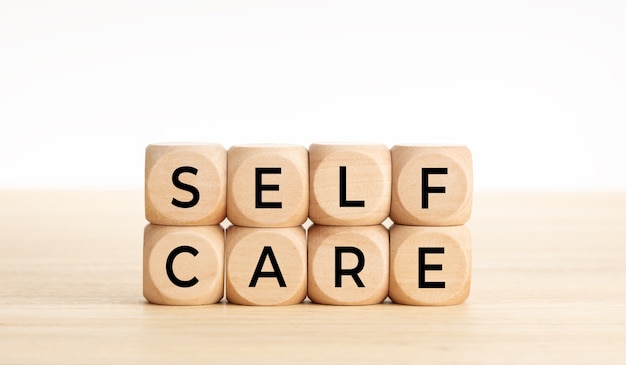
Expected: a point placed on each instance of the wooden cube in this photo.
(268, 185)
(349, 184)
(265, 266)
(185, 184)
(432, 185)
(183, 265)
(348, 265)
(430, 265)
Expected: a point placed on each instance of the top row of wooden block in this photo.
(331, 184)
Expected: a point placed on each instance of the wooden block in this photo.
(349, 184)
(185, 184)
(348, 265)
(265, 266)
(183, 265)
(431, 185)
(430, 265)
(268, 185)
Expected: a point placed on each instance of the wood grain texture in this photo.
(548, 286)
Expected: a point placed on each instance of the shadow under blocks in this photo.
(268, 194)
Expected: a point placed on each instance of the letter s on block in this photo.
(181, 185)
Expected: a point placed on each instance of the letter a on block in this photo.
(275, 273)
(265, 266)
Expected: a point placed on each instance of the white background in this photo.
(536, 89)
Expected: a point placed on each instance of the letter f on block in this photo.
(431, 189)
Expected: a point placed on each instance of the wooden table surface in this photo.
(549, 286)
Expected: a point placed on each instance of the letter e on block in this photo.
(268, 185)
(429, 265)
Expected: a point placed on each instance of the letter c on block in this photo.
(170, 263)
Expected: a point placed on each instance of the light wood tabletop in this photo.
(548, 286)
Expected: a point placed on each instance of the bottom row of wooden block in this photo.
(354, 265)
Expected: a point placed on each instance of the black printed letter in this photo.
(181, 185)
(267, 252)
(431, 189)
(343, 202)
(170, 263)
(423, 267)
(259, 203)
(339, 271)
